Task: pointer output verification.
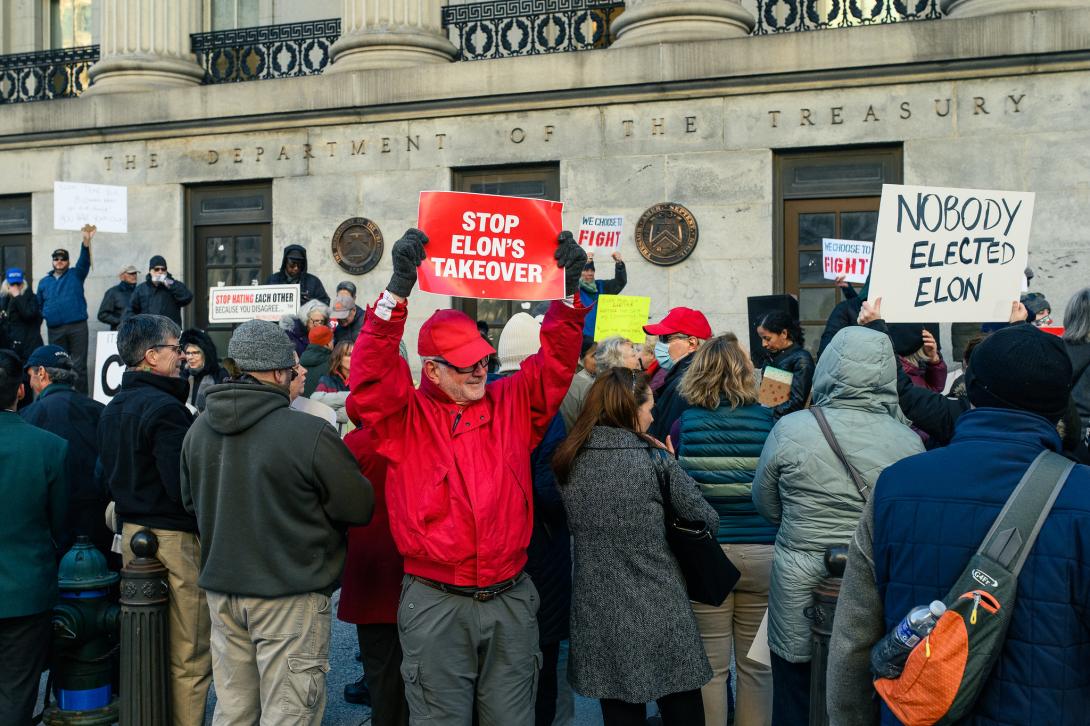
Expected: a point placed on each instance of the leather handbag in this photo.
(709, 574)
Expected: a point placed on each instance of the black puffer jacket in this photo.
(310, 287)
(21, 319)
(797, 361)
(156, 299)
(209, 375)
(114, 304)
(1080, 366)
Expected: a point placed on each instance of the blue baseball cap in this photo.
(15, 276)
(50, 356)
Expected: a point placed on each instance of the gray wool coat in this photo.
(802, 486)
(633, 633)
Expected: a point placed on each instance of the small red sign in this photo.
(487, 246)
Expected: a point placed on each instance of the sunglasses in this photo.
(62, 258)
(672, 337)
(295, 373)
(482, 363)
(158, 269)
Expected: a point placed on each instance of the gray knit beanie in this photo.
(258, 345)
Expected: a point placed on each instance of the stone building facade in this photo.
(771, 140)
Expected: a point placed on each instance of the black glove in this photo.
(407, 254)
(572, 258)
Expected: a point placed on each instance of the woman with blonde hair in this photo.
(719, 442)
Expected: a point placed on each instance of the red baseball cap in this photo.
(453, 336)
(681, 320)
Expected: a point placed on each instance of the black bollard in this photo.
(145, 651)
(821, 628)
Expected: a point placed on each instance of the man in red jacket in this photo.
(459, 492)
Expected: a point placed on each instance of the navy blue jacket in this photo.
(62, 297)
(669, 403)
(73, 416)
(720, 449)
(931, 512)
(548, 560)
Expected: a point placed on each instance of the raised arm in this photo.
(181, 294)
(83, 264)
(620, 277)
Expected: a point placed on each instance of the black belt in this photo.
(480, 594)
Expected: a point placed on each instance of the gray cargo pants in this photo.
(456, 648)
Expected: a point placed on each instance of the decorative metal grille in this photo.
(782, 16)
(46, 74)
(504, 28)
(268, 51)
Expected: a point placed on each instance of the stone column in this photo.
(969, 8)
(645, 22)
(390, 34)
(145, 46)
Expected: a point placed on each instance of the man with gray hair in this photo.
(251, 458)
(62, 410)
(140, 438)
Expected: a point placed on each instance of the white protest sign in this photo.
(949, 255)
(600, 233)
(108, 367)
(850, 258)
(252, 302)
(102, 205)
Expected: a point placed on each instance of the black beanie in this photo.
(157, 261)
(1022, 368)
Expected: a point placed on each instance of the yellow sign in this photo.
(623, 315)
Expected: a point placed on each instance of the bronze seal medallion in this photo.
(357, 245)
(666, 234)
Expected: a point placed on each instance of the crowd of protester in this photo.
(510, 498)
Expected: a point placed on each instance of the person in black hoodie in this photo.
(159, 294)
(116, 300)
(140, 434)
(20, 315)
(782, 339)
(202, 365)
(293, 271)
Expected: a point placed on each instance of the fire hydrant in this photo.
(86, 629)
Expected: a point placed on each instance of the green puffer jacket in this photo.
(719, 449)
(802, 486)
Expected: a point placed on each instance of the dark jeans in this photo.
(381, 652)
(545, 705)
(24, 649)
(677, 709)
(73, 338)
(790, 692)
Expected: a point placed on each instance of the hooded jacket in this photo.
(310, 287)
(62, 298)
(273, 490)
(114, 304)
(459, 490)
(802, 486)
(159, 299)
(1079, 353)
(209, 375)
(315, 359)
(928, 515)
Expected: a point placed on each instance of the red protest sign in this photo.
(487, 246)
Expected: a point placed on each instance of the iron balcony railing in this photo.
(46, 74)
(505, 28)
(268, 51)
(783, 16)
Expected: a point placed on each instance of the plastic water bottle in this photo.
(888, 656)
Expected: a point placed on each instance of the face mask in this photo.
(662, 355)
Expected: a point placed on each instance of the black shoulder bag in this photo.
(827, 431)
(709, 574)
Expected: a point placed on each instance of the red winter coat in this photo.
(371, 584)
(459, 492)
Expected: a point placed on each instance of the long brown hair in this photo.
(341, 351)
(721, 370)
(614, 400)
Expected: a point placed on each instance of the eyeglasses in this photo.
(176, 348)
(482, 363)
(672, 337)
(158, 269)
(296, 371)
(192, 353)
